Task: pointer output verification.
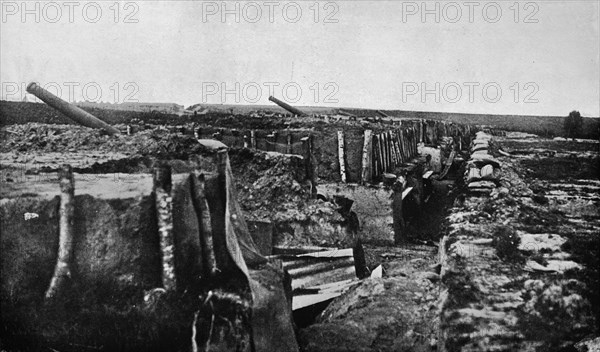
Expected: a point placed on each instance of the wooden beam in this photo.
(341, 156)
(164, 211)
(367, 171)
(62, 271)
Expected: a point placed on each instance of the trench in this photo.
(411, 270)
(406, 266)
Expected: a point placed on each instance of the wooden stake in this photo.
(367, 172)
(62, 271)
(164, 210)
(200, 203)
(384, 161)
(381, 154)
(375, 157)
(392, 149)
(288, 149)
(397, 146)
(253, 139)
(341, 156)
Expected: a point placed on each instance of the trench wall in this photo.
(386, 146)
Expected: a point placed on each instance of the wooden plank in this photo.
(367, 171)
(341, 156)
(406, 192)
(335, 253)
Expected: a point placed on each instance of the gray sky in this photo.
(535, 58)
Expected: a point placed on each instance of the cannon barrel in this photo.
(71, 111)
(286, 106)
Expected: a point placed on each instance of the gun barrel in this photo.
(286, 106)
(71, 111)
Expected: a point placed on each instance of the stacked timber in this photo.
(321, 275)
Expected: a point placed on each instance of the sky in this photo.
(503, 57)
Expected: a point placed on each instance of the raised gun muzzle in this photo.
(71, 111)
(286, 106)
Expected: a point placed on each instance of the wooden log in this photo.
(62, 271)
(388, 151)
(403, 144)
(341, 156)
(367, 171)
(375, 157)
(397, 145)
(381, 154)
(392, 149)
(200, 203)
(164, 210)
(384, 153)
(411, 141)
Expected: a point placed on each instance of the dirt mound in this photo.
(68, 138)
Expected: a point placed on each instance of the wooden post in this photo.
(415, 141)
(375, 158)
(402, 144)
(62, 271)
(409, 139)
(253, 139)
(392, 149)
(200, 203)
(397, 147)
(367, 172)
(381, 154)
(288, 149)
(341, 156)
(384, 150)
(164, 210)
(246, 144)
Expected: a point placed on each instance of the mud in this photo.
(515, 269)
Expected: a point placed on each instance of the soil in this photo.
(421, 303)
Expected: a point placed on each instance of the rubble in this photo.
(367, 196)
